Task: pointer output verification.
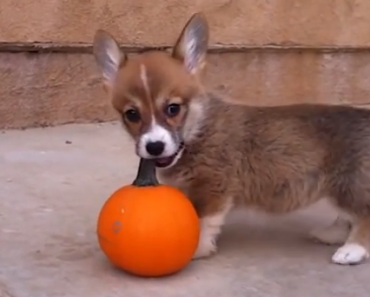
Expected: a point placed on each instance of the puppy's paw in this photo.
(210, 229)
(332, 235)
(350, 253)
(206, 247)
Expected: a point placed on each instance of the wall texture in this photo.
(242, 22)
(51, 89)
(321, 54)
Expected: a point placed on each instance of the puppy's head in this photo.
(157, 93)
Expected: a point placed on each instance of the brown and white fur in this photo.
(224, 155)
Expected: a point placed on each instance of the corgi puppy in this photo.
(224, 154)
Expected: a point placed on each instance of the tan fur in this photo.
(275, 159)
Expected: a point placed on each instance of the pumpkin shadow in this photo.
(106, 265)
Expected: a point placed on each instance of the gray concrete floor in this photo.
(53, 182)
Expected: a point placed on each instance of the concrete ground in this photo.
(54, 181)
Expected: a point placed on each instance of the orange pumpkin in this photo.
(147, 228)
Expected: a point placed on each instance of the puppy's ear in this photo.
(108, 56)
(191, 46)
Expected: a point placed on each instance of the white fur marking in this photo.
(194, 120)
(350, 253)
(157, 133)
(210, 229)
(336, 233)
(144, 78)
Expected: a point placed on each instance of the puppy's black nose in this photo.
(155, 148)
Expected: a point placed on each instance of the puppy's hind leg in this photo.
(356, 248)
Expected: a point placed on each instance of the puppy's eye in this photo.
(172, 110)
(132, 115)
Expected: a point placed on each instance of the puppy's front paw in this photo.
(210, 229)
(350, 253)
(206, 247)
(207, 240)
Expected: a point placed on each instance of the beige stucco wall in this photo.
(49, 88)
(53, 89)
(245, 22)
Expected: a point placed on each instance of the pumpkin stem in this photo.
(146, 175)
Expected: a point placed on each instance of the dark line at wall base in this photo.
(50, 47)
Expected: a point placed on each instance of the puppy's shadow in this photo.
(266, 237)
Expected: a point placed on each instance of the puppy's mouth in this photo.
(167, 161)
